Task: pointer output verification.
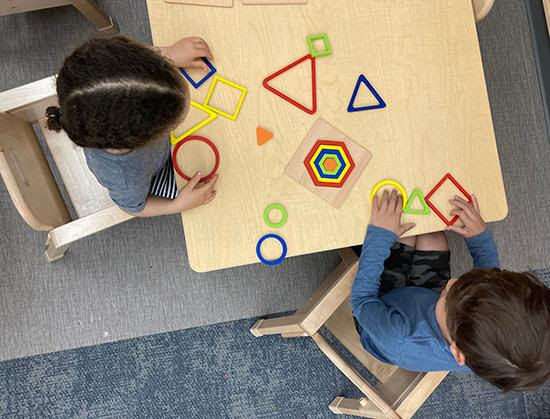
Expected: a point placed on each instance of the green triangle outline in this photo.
(417, 193)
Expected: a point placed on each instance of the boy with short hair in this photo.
(410, 313)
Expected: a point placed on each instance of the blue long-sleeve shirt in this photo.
(400, 327)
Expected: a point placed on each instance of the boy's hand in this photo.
(470, 217)
(192, 195)
(187, 53)
(387, 214)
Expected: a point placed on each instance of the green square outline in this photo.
(312, 38)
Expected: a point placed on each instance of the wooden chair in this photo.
(89, 8)
(398, 394)
(30, 182)
(482, 8)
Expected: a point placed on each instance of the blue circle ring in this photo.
(259, 251)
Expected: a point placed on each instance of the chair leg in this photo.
(361, 407)
(95, 14)
(53, 252)
(288, 326)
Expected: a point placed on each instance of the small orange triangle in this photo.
(263, 136)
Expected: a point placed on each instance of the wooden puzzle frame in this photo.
(297, 171)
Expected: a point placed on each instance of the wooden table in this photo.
(423, 58)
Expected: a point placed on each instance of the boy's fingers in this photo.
(393, 200)
(476, 204)
(458, 230)
(466, 210)
(375, 203)
(385, 201)
(461, 214)
(399, 206)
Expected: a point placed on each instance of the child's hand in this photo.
(187, 53)
(470, 217)
(192, 195)
(387, 214)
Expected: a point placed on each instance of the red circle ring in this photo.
(204, 140)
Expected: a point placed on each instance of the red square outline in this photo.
(450, 177)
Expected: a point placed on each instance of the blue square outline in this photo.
(198, 84)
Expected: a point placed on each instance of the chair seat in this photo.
(85, 192)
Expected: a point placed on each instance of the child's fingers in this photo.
(461, 214)
(393, 200)
(399, 206)
(195, 180)
(210, 197)
(375, 205)
(458, 230)
(476, 204)
(203, 52)
(385, 201)
(463, 206)
(209, 187)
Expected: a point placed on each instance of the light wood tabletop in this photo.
(422, 57)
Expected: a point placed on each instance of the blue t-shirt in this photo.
(128, 176)
(400, 327)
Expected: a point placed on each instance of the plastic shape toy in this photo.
(279, 207)
(204, 140)
(336, 150)
(310, 44)
(363, 80)
(417, 193)
(211, 117)
(263, 136)
(389, 182)
(313, 108)
(259, 249)
(197, 84)
(449, 177)
(231, 84)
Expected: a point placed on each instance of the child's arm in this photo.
(190, 196)
(384, 229)
(479, 239)
(187, 53)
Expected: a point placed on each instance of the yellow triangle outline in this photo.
(211, 116)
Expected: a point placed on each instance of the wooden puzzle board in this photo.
(297, 170)
(422, 57)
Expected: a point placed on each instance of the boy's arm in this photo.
(479, 239)
(483, 250)
(376, 250)
(384, 229)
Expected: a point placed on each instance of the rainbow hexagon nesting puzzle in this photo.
(328, 163)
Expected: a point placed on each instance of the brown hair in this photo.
(117, 93)
(500, 320)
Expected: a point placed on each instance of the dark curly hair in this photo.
(117, 93)
(500, 320)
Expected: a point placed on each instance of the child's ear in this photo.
(457, 354)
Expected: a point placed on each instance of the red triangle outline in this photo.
(289, 99)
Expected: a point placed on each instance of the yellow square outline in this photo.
(244, 90)
(211, 116)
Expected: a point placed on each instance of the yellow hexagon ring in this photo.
(344, 157)
(393, 183)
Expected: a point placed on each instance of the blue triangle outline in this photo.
(363, 80)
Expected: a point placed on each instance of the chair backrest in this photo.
(28, 177)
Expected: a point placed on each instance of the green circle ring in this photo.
(268, 210)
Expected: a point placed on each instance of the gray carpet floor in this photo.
(219, 372)
(134, 280)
